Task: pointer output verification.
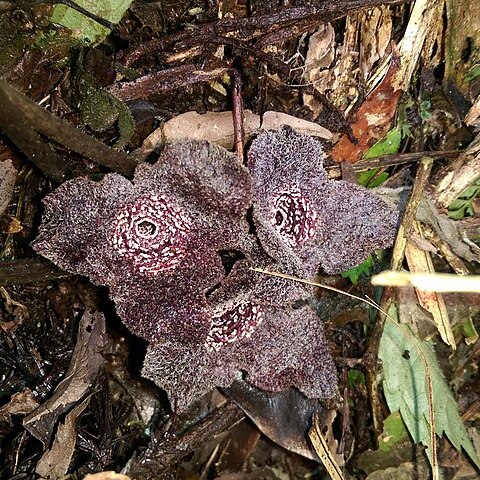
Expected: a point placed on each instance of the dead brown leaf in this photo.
(84, 367)
(373, 118)
(376, 31)
(447, 230)
(216, 127)
(274, 120)
(21, 403)
(420, 261)
(55, 462)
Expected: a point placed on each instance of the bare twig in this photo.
(164, 80)
(287, 20)
(237, 110)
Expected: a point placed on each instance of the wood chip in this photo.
(8, 174)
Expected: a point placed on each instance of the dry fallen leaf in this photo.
(421, 261)
(373, 119)
(274, 120)
(216, 127)
(21, 403)
(82, 372)
(323, 451)
(55, 462)
(376, 30)
(318, 64)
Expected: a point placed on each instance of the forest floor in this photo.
(390, 89)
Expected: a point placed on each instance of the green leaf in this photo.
(473, 73)
(470, 192)
(469, 331)
(394, 432)
(405, 388)
(457, 204)
(425, 110)
(463, 205)
(371, 178)
(469, 211)
(457, 214)
(388, 145)
(355, 273)
(86, 28)
(355, 377)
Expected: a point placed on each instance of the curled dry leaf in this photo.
(217, 127)
(79, 379)
(56, 460)
(21, 403)
(275, 121)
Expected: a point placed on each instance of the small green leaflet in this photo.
(388, 145)
(371, 178)
(463, 205)
(405, 388)
(364, 269)
(394, 432)
(473, 73)
(84, 28)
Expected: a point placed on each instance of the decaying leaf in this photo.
(325, 454)
(55, 461)
(373, 119)
(375, 33)
(21, 403)
(263, 408)
(275, 121)
(216, 127)
(82, 372)
(448, 230)
(420, 261)
(318, 63)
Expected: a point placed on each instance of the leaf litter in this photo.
(314, 74)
